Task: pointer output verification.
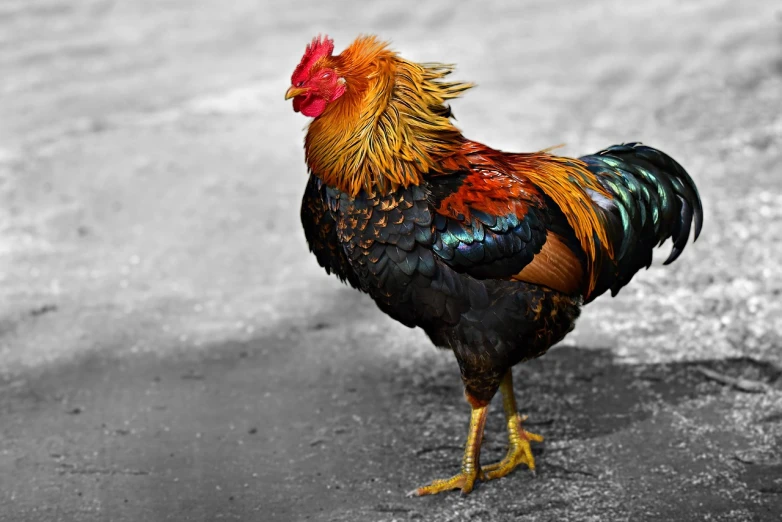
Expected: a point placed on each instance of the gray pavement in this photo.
(169, 350)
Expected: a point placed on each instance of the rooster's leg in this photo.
(519, 451)
(471, 459)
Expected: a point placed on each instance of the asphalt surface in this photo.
(170, 351)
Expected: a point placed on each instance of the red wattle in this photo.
(312, 106)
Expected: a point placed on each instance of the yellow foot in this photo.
(519, 451)
(461, 481)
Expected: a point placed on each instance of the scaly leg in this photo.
(519, 451)
(471, 459)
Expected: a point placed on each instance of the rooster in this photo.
(491, 253)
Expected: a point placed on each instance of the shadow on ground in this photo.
(288, 428)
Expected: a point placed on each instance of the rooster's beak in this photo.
(295, 91)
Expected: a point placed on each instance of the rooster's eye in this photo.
(326, 75)
(300, 84)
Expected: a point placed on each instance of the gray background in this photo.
(170, 351)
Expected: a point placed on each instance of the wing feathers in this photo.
(555, 266)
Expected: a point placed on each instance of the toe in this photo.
(460, 481)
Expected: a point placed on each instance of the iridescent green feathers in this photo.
(653, 199)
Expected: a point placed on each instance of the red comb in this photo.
(320, 47)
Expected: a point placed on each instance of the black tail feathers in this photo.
(654, 199)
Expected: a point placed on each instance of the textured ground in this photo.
(169, 351)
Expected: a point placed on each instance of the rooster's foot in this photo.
(470, 461)
(519, 451)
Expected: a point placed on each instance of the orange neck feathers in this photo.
(390, 128)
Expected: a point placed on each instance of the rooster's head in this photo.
(315, 83)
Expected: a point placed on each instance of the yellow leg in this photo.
(519, 451)
(470, 461)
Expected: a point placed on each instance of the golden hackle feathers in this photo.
(392, 126)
